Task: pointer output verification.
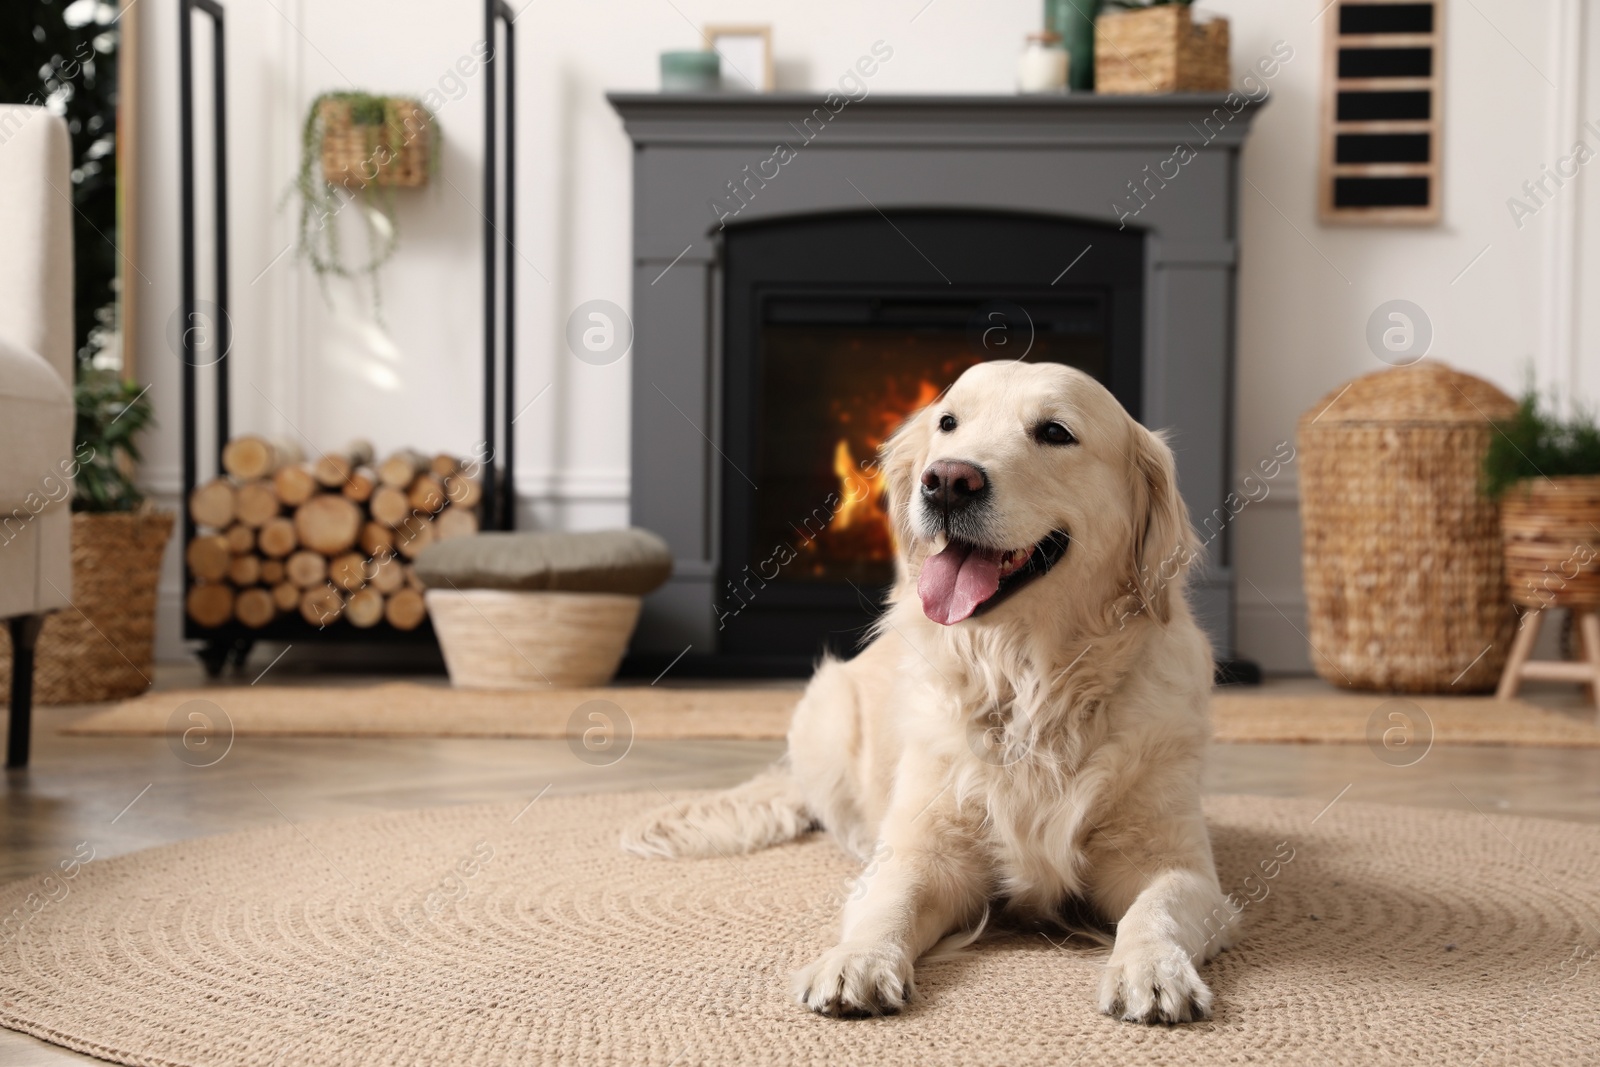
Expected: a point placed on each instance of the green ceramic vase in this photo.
(1074, 21)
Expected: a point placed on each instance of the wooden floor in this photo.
(125, 793)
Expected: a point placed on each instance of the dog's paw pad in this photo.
(1153, 984)
(855, 982)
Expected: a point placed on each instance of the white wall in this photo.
(1514, 94)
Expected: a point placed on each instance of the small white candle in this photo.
(1043, 66)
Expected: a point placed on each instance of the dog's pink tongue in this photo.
(956, 581)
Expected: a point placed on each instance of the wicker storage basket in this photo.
(505, 639)
(101, 647)
(390, 152)
(1405, 584)
(1159, 50)
(1551, 528)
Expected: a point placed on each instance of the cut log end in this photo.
(212, 504)
(277, 538)
(255, 608)
(209, 605)
(328, 524)
(365, 608)
(405, 610)
(321, 606)
(208, 557)
(307, 569)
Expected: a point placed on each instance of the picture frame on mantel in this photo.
(746, 52)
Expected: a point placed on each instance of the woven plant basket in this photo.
(391, 152)
(1159, 50)
(502, 639)
(100, 648)
(1551, 529)
(1404, 576)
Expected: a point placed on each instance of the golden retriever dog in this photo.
(1025, 732)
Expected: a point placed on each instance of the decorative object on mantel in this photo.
(525, 610)
(1042, 67)
(330, 540)
(1382, 93)
(1158, 47)
(1074, 21)
(357, 145)
(101, 649)
(691, 72)
(746, 54)
(1404, 576)
(1546, 473)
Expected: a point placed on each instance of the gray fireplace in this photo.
(804, 266)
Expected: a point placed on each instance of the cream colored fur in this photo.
(1044, 753)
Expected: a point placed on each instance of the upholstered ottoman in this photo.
(516, 610)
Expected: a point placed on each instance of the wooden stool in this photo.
(1585, 670)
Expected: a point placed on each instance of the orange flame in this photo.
(861, 519)
(860, 493)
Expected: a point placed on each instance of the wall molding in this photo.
(1558, 356)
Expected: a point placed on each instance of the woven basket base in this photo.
(100, 648)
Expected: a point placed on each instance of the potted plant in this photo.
(1155, 46)
(101, 647)
(1545, 471)
(358, 146)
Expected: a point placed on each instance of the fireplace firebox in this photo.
(789, 307)
(836, 327)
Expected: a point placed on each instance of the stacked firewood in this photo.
(327, 539)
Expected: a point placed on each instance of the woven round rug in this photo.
(512, 935)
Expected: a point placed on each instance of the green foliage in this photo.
(111, 413)
(321, 200)
(72, 70)
(1535, 443)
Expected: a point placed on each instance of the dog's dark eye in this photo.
(1053, 433)
(947, 423)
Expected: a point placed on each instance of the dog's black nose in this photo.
(952, 485)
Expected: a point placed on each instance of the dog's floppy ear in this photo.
(1164, 544)
(898, 459)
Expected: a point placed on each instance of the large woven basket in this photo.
(1405, 584)
(101, 648)
(394, 151)
(1551, 528)
(1159, 50)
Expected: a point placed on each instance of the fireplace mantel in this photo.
(1073, 118)
(1165, 166)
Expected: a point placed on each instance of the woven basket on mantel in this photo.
(101, 647)
(1404, 574)
(1160, 50)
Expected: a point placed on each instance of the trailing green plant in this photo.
(321, 200)
(111, 412)
(1535, 443)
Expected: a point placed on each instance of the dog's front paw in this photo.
(855, 981)
(1153, 982)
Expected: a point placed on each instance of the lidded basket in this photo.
(1404, 572)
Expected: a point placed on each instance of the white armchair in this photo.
(36, 410)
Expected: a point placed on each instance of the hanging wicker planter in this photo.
(1404, 573)
(384, 140)
(101, 648)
